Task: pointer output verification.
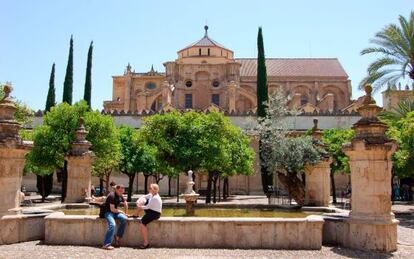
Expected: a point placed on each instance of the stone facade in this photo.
(392, 96)
(206, 74)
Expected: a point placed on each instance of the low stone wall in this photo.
(21, 228)
(193, 232)
(335, 231)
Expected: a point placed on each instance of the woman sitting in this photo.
(152, 210)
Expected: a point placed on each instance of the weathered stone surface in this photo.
(79, 166)
(177, 232)
(372, 225)
(318, 186)
(21, 228)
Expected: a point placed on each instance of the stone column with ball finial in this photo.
(12, 155)
(372, 225)
(317, 187)
(80, 160)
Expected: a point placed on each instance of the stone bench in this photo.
(192, 232)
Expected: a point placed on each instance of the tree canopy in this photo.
(284, 154)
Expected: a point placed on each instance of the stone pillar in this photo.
(318, 187)
(372, 225)
(232, 96)
(80, 160)
(12, 155)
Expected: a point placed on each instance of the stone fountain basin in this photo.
(193, 232)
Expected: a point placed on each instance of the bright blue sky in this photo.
(34, 34)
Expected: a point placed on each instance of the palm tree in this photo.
(395, 44)
(397, 113)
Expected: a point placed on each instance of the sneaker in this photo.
(108, 247)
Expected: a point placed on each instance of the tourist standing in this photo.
(111, 213)
(152, 210)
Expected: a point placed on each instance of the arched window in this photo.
(208, 52)
(199, 52)
(303, 100)
(215, 98)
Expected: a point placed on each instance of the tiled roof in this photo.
(297, 67)
(205, 42)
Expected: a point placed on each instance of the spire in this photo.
(206, 29)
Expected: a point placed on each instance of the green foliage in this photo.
(88, 80)
(104, 137)
(262, 91)
(401, 128)
(51, 98)
(136, 154)
(52, 140)
(335, 138)
(198, 141)
(395, 51)
(262, 98)
(396, 114)
(68, 83)
(280, 152)
(163, 131)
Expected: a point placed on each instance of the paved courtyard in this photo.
(36, 249)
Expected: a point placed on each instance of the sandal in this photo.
(144, 246)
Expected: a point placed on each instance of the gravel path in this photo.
(36, 249)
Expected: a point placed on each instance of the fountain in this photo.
(190, 195)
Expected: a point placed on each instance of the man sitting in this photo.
(111, 212)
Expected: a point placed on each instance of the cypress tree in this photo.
(44, 182)
(68, 84)
(51, 98)
(88, 79)
(262, 97)
(262, 92)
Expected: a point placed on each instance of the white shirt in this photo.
(154, 203)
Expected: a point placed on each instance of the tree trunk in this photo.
(145, 183)
(215, 188)
(209, 182)
(267, 177)
(219, 192)
(101, 185)
(333, 186)
(227, 188)
(64, 180)
(131, 178)
(224, 188)
(295, 187)
(107, 176)
(43, 189)
(178, 188)
(169, 186)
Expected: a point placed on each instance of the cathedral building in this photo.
(207, 74)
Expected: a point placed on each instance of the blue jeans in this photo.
(111, 217)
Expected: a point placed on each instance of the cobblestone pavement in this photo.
(36, 249)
